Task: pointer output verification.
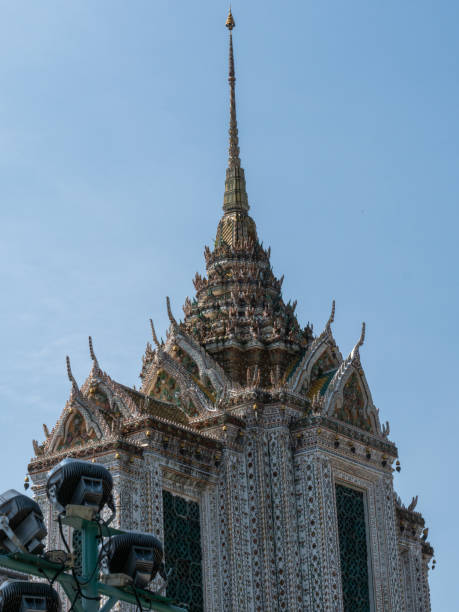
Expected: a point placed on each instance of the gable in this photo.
(351, 407)
(75, 432)
(166, 389)
(321, 373)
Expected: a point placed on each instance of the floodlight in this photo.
(21, 596)
(80, 483)
(137, 555)
(22, 527)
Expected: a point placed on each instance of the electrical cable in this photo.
(72, 569)
(106, 546)
(139, 603)
(61, 531)
(52, 580)
(72, 607)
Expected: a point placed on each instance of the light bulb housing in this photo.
(22, 527)
(80, 483)
(22, 596)
(137, 555)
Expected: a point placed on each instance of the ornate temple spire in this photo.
(235, 198)
(233, 152)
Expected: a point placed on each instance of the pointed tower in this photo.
(236, 224)
(253, 449)
(238, 314)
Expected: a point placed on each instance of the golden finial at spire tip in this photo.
(230, 23)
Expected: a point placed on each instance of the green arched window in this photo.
(182, 550)
(350, 508)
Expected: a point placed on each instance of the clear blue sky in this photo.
(113, 130)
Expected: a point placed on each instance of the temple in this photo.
(253, 448)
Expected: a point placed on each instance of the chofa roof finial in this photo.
(71, 377)
(169, 313)
(355, 354)
(332, 315)
(362, 335)
(153, 333)
(92, 353)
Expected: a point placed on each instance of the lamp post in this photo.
(83, 573)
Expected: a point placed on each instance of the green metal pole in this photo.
(90, 571)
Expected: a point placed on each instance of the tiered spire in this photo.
(235, 198)
(238, 314)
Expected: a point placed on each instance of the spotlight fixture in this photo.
(21, 523)
(22, 596)
(81, 484)
(136, 555)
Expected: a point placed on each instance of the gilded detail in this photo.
(76, 432)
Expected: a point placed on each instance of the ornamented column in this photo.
(389, 567)
(425, 582)
(152, 497)
(261, 533)
(49, 514)
(285, 570)
(211, 547)
(151, 500)
(414, 577)
(318, 533)
(236, 563)
(129, 482)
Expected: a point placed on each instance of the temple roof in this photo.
(239, 339)
(238, 314)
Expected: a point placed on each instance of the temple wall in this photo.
(269, 532)
(318, 468)
(414, 578)
(318, 534)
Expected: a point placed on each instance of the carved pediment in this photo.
(75, 432)
(351, 406)
(322, 357)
